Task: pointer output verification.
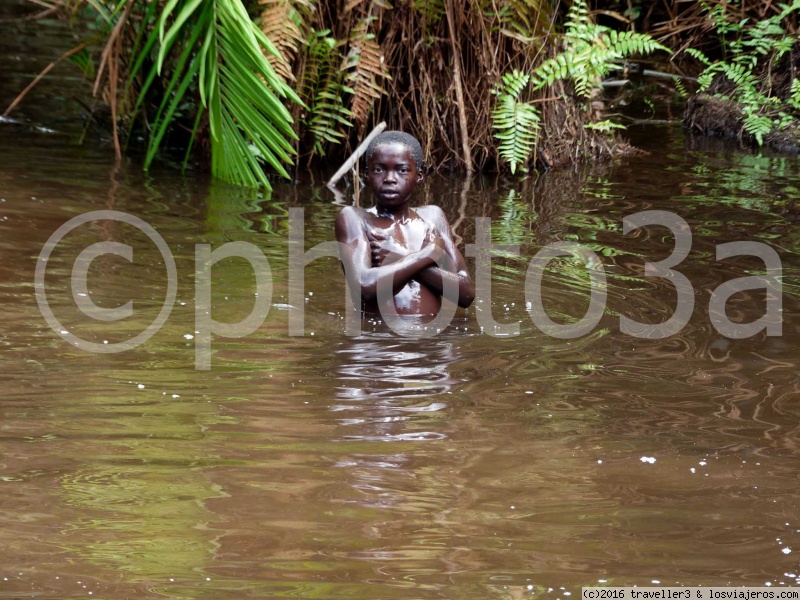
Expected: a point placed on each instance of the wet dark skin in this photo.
(395, 242)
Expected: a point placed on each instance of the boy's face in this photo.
(392, 174)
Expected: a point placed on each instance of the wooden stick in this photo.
(44, 72)
(362, 147)
(662, 75)
(462, 111)
(614, 83)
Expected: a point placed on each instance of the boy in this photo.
(410, 251)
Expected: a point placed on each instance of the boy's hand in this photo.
(385, 249)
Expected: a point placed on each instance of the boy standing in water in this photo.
(408, 250)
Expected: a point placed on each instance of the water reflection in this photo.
(390, 390)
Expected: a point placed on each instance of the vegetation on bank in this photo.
(751, 90)
(259, 85)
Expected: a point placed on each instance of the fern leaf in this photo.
(364, 66)
(323, 91)
(629, 42)
(695, 53)
(604, 126)
(758, 126)
(680, 88)
(794, 97)
(516, 126)
(590, 51)
(282, 21)
(431, 10)
(579, 24)
(513, 84)
(521, 19)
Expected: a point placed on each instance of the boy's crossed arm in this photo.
(356, 255)
(450, 268)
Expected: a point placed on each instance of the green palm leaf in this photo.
(222, 60)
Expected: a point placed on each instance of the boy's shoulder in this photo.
(351, 213)
(431, 213)
(350, 222)
(429, 209)
(351, 210)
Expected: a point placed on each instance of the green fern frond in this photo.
(520, 19)
(762, 111)
(704, 80)
(324, 91)
(579, 26)
(680, 88)
(794, 94)
(516, 123)
(604, 126)
(589, 52)
(758, 126)
(788, 9)
(784, 45)
(696, 54)
(431, 10)
(513, 84)
(625, 43)
(739, 74)
(550, 71)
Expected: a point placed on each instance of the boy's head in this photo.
(394, 161)
(397, 137)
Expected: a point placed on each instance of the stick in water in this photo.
(362, 147)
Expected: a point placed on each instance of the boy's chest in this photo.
(412, 234)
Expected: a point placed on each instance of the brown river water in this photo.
(459, 466)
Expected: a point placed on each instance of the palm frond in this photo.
(223, 53)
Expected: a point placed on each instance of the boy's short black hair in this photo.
(396, 137)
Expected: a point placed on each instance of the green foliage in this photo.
(747, 47)
(431, 10)
(243, 95)
(519, 19)
(604, 126)
(188, 61)
(323, 90)
(516, 123)
(83, 60)
(589, 52)
(794, 98)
